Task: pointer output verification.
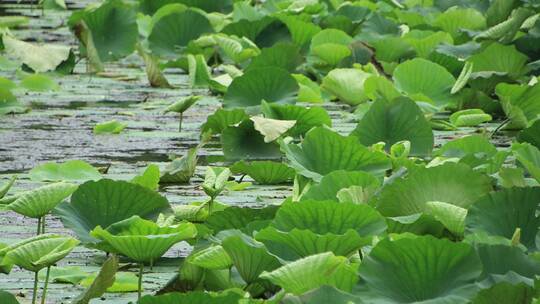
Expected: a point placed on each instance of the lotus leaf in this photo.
(271, 84)
(143, 240)
(324, 151)
(38, 202)
(420, 269)
(304, 274)
(105, 202)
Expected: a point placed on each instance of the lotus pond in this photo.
(278, 151)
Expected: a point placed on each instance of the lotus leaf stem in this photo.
(43, 224)
(44, 295)
(39, 226)
(180, 122)
(141, 269)
(34, 295)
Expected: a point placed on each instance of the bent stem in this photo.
(141, 269)
(44, 294)
(34, 295)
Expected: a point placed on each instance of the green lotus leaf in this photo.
(244, 142)
(106, 202)
(230, 296)
(301, 31)
(424, 42)
(13, 21)
(280, 55)
(149, 178)
(330, 53)
(309, 91)
(149, 7)
(377, 27)
(213, 257)
(304, 274)
(143, 240)
(222, 118)
(123, 282)
(498, 11)
(502, 212)
(53, 4)
(505, 293)
(9, 103)
(40, 252)
(392, 49)
(4, 189)
(324, 217)
(330, 46)
(501, 259)
(529, 157)
(519, 103)
(421, 269)
(40, 201)
(200, 74)
(236, 49)
(107, 32)
(5, 265)
(449, 183)
(270, 84)
(215, 180)
(469, 118)
(72, 170)
(265, 172)
(394, 121)
(249, 29)
(451, 216)
(249, 257)
(174, 29)
(461, 52)
(421, 76)
(468, 145)
(39, 83)
(379, 87)
(7, 84)
(238, 218)
(418, 224)
(322, 295)
(499, 58)
(109, 127)
(324, 151)
(347, 85)
(181, 169)
(65, 275)
(244, 10)
(354, 194)
(297, 243)
(512, 177)
(40, 58)
(531, 134)
(306, 118)
(183, 105)
(456, 19)
(103, 280)
(7, 298)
